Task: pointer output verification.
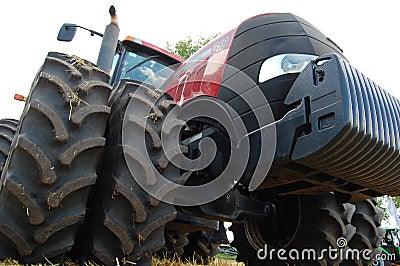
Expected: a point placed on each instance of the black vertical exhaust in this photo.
(109, 43)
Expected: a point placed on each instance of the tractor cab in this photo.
(141, 61)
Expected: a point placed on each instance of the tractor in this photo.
(268, 127)
(391, 246)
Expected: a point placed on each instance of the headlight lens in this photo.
(283, 64)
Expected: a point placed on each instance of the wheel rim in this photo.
(284, 227)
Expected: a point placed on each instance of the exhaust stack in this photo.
(109, 43)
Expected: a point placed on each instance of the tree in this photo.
(185, 48)
(382, 203)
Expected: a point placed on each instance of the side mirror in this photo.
(67, 32)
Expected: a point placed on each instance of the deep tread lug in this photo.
(69, 155)
(33, 210)
(55, 197)
(59, 128)
(47, 174)
(146, 126)
(80, 115)
(149, 103)
(139, 209)
(61, 85)
(43, 234)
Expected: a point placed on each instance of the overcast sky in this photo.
(365, 31)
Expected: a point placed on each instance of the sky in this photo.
(365, 30)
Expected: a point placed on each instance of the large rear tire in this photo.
(246, 252)
(126, 222)
(322, 221)
(367, 219)
(193, 247)
(8, 127)
(52, 163)
(175, 243)
(199, 249)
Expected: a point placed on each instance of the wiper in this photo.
(141, 63)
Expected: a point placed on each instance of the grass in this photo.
(156, 262)
(225, 257)
(216, 262)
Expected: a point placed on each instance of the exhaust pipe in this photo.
(109, 43)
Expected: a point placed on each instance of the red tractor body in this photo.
(270, 52)
(202, 73)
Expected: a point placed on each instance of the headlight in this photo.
(283, 64)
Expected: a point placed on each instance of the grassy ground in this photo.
(225, 257)
(216, 262)
(156, 262)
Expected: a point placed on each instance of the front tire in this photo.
(126, 222)
(51, 166)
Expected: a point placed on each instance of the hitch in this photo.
(233, 206)
(247, 206)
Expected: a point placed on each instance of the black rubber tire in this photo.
(126, 222)
(246, 253)
(199, 249)
(52, 164)
(192, 247)
(367, 219)
(8, 127)
(175, 243)
(322, 222)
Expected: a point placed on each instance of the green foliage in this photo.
(382, 203)
(185, 48)
(396, 201)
